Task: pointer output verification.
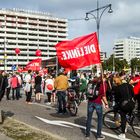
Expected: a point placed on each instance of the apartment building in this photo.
(127, 48)
(28, 30)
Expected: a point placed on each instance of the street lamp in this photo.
(5, 54)
(114, 59)
(99, 15)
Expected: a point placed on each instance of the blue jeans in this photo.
(61, 101)
(99, 111)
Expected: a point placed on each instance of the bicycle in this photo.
(112, 120)
(72, 102)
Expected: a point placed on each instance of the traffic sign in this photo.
(13, 67)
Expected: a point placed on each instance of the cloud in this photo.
(123, 22)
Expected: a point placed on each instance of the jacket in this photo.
(61, 82)
(14, 82)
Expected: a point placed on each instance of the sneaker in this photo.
(60, 112)
(101, 137)
(48, 103)
(87, 137)
(122, 136)
(126, 128)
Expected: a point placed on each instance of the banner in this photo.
(34, 65)
(79, 52)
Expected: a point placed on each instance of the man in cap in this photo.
(61, 85)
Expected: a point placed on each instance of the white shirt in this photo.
(28, 78)
(47, 82)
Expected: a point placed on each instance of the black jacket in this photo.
(123, 92)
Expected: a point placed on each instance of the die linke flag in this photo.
(79, 52)
(34, 65)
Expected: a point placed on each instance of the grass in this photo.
(20, 131)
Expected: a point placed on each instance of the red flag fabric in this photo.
(19, 69)
(79, 52)
(137, 88)
(34, 65)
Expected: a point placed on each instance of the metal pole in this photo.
(12, 64)
(98, 21)
(113, 60)
(56, 65)
(5, 56)
(28, 47)
(17, 60)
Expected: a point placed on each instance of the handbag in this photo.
(128, 104)
(27, 87)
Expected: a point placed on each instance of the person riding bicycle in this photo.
(75, 82)
(123, 102)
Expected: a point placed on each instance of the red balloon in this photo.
(38, 53)
(49, 87)
(17, 50)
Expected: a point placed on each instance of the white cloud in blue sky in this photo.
(123, 22)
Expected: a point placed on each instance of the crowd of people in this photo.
(112, 87)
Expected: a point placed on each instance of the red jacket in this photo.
(14, 81)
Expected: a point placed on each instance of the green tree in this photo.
(135, 64)
(119, 64)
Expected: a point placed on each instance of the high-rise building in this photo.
(28, 30)
(127, 48)
(103, 56)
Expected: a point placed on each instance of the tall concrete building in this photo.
(28, 30)
(103, 56)
(127, 48)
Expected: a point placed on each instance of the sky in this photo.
(122, 23)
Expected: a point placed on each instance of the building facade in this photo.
(28, 31)
(127, 48)
(103, 56)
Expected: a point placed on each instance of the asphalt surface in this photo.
(44, 117)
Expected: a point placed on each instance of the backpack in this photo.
(93, 91)
(76, 83)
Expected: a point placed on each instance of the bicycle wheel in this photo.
(136, 125)
(112, 120)
(73, 108)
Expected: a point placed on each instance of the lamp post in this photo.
(17, 51)
(5, 55)
(114, 59)
(98, 15)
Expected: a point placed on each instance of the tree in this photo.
(135, 64)
(119, 64)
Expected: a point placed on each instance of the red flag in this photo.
(19, 69)
(34, 65)
(79, 52)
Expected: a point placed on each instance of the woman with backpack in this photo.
(95, 103)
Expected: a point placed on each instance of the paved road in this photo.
(44, 117)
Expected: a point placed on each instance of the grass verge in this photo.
(21, 131)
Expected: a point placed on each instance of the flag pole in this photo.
(56, 65)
